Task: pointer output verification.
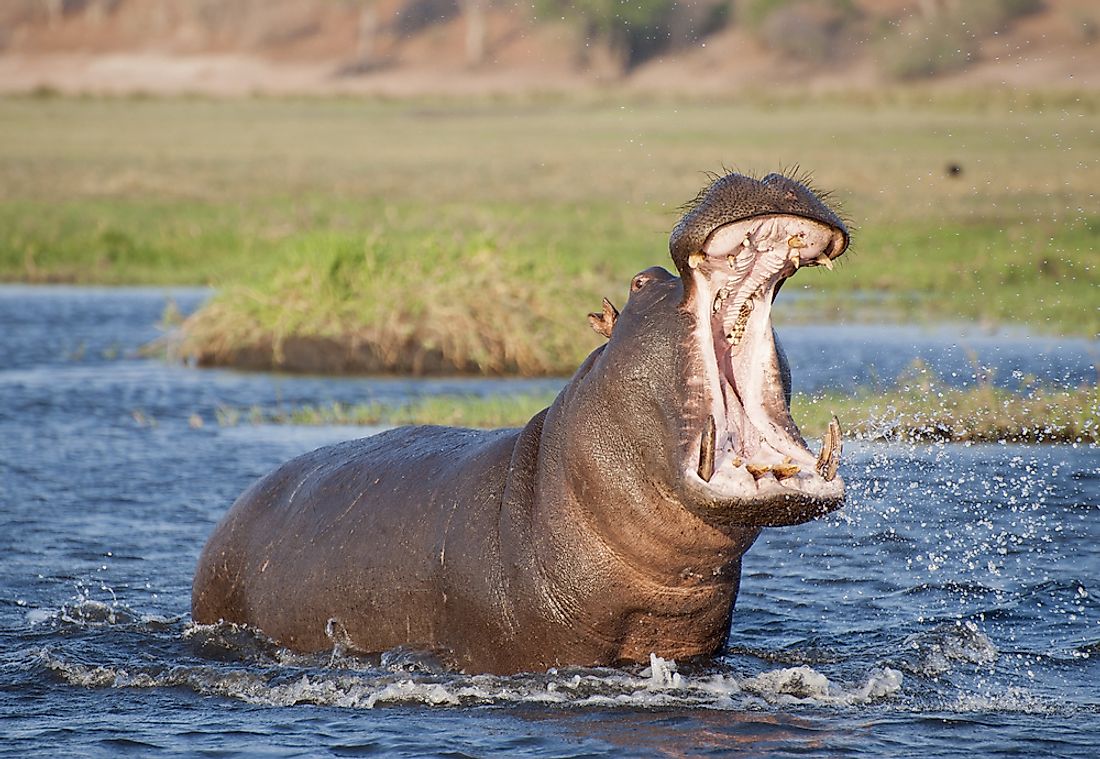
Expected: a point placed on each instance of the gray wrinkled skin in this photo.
(571, 541)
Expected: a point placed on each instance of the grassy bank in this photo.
(917, 413)
(434, 236)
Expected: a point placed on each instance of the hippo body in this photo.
(610, 527)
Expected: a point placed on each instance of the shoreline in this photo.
(978, 414)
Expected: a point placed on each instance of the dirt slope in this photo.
(395, 47)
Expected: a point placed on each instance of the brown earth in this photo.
(237, 47)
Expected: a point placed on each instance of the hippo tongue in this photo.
(736, 275)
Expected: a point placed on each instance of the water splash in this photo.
(659, 685)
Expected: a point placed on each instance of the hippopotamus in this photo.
(608, 528)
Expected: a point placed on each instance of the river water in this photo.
(953, 607)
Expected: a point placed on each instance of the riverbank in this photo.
(924, 411)
(434, 236)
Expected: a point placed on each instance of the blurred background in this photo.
(403, 47)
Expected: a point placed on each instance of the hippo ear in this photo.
(604, 322)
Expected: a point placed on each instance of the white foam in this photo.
(659, 685)
(806, 685)
(662, 673)
(40, 616)
(82, 612)
(940, 649)
(1011, 699)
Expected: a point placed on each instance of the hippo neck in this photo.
(602, 537)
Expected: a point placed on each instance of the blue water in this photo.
(952, 607)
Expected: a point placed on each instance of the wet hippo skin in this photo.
(610, 527)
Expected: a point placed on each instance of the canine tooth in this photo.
(824, 260)
(757, 471)
(796, 241)
(695, 259)
(829, 458)
(794, 257)
(706, 450)
(731, 260)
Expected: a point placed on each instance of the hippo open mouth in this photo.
(750, 453)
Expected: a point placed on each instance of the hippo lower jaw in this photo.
(752, 464)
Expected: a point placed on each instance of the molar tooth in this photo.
(824, 260)
(695, 259)
(706, 450)
(738, 331)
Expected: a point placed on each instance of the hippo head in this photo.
(702, 379)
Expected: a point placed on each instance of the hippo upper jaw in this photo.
(746, 461)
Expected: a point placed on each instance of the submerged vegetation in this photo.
(919, 412)
(442, 236)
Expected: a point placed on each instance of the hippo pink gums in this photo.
(610, 527)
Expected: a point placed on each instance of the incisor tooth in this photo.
(783, 471)
(695, 259)
(757, 471)
(824, 260)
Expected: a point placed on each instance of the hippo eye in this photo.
(639, 282)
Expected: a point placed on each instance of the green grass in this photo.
(476, 235)
(923, 410)
(486, 412)
(983, 414)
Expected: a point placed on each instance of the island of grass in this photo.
(924, 411)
